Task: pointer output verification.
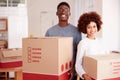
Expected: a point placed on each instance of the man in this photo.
(65, 29)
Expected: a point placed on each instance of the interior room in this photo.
(21, 19)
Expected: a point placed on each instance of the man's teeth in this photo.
(63, 15)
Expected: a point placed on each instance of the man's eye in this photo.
(63, 10)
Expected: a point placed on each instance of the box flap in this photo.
(12, 52)
(46, 37)
(105, 57)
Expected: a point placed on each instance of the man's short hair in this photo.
(63, 3)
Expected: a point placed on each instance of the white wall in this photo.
(111, 26)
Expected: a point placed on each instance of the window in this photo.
(11, 3)
(3, 3)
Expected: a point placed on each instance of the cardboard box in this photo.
(10, 58)
(47, 58)
(103, 67)
(3, 44)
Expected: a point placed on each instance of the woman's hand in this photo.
(86, 77)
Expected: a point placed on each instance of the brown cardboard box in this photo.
(10, 58)
(103, 67)
(47, 58)
(3, 44)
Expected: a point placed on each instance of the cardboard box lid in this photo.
(47, 37)
(105, 57)
(11, 52)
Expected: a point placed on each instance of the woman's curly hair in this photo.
(86, 18)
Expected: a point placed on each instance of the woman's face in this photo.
(91, 30)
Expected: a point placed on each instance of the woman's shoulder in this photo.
(84, 41)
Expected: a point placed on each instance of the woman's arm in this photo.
(78, 64)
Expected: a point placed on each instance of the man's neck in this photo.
(63, 24)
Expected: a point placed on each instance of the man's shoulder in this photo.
(72, 25)
(53, 27)
(74, 28)
(51, 30)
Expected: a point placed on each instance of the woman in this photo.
(89, 24)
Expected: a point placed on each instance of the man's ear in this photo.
(57, 13)
(69, 13)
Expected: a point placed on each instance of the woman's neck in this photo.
(91, 37)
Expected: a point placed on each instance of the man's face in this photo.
(63, 13)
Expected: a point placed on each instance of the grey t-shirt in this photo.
(68, 31)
